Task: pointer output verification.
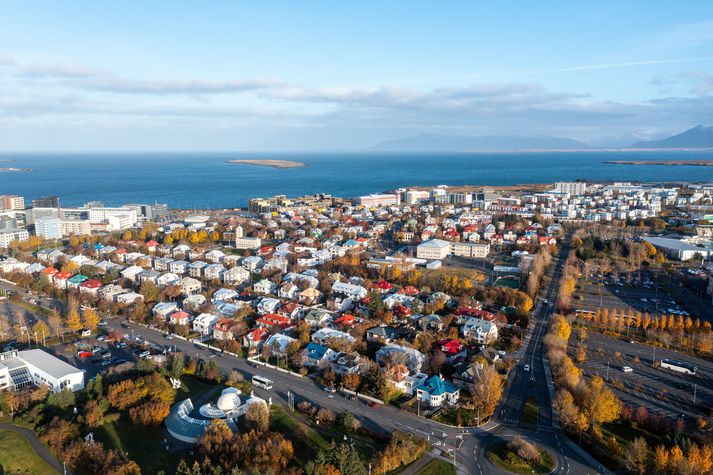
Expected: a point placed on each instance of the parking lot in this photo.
(663, 392)
(639, 295)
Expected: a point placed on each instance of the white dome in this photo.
(229, 400)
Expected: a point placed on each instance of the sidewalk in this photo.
(36, 444)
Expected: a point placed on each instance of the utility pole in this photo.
(653, 361)
(607, 370)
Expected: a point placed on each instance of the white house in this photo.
(265, 287)
(235, 275)
(479, 330)
(21, 369)
(352, 291)
(190, 286)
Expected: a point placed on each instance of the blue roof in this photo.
(316, 351)
(437, 386)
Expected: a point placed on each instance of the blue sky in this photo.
(345, 75)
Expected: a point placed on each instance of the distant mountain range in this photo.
(436, 142)
(698, 137)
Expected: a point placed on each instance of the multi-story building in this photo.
(49, 228)
(76, 227)
(9, 235)
(375, 201)
(433, 249)
(46, 202)
(12, 202)
(573, 188)
(471, 249)
(248, 243)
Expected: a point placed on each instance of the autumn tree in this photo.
(258, 416)
(91, 318)
(660, 458)
(73, 320)
(487, 390)
(637, 455)
(150, 413)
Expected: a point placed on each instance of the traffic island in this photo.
(520, 456)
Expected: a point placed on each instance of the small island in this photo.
(696, 163)
(13, 169)
(271, 163)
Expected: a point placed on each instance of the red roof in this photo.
(49, 271)
(383, 285)
(345, 319)
(180, 315)
(408, 290)
(91, 284)
(258, 334)
(450, 347)
(63, 275)
(401, 310)
(274, 320)
(474, 312)
(152, 243)
(121, 251)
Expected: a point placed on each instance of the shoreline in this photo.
(694, 163)
(270, 163)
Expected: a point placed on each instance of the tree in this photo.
(487, 390)
(94, 414)
(91, 318)
(571, 416)
(177, 365)
(258, 416)
(602, 404)
(40, 330)
(636, 457)
(73, 319)
(660, 459)
(560, 327)
(149, 290)
(150, 413)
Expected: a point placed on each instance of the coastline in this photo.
(694, 163)
(271, 163)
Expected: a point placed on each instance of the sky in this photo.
(312, 75)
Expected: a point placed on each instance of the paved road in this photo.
(535, 382)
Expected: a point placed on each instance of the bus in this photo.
(262, 382)
(678, 366)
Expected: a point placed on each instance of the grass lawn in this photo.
(625, 434)
(502, 457)
(309, 438)
(437, 467)
(505, 282)
(450, 416)
(530, 413)
(431, 276)
(143, 444)
(18, 456)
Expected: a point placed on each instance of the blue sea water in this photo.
(206, 180)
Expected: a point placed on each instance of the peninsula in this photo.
(697, 163)
(271, 163)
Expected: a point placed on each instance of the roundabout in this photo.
(521, 457)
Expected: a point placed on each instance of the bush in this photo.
(306, 407)
(326, 416)
(524, 449)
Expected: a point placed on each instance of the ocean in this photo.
(206, 180)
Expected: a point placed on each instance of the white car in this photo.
(627, 369)
(526, 368)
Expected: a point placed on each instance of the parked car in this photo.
(627, 369)
(169, 336)
(330, 389)
(84, 354)
(526, 368)
(372, 405)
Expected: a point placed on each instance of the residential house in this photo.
(252, 263)
(131, 273)
(268, 305)
(195, 269)
(436, 392)
(350, 290)
(480, 331)
(399, 377)
(224, 295)
(161, 263)
(346, 363)
(163, 309)
(148, 275)
(254, 339)
(180, 318)
(318, 317)
(235, 275)
(215, 255)
(265, 287)
(90, 286)
(288, 291)
(411, 357)
(190, 286)
(169, 278)
(317, 356)
(326, 335)
(213, 272)
(109, 292)
(178, 267)
(310, 296)
(278, 344)
(129, 298)
(223, 329)
(60, 279)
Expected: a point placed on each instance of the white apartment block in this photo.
(118, 218)
(12, 202)
(433, 249)
(375, 201)
(9, 235)
(471, 249)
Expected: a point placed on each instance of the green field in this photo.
(308, 438)
(18, 456)
(437, 467)
(502, 457)
(505, 282)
